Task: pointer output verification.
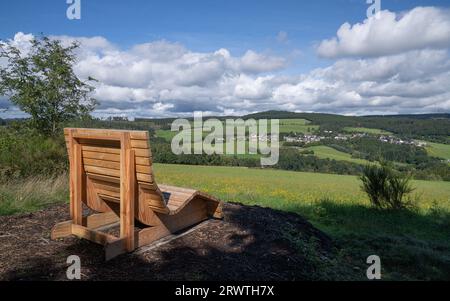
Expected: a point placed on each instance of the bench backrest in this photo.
(101, 160)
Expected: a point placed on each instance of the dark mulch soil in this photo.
(251, 243)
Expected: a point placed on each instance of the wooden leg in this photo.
(77, 178)
(62, 230)
(127, 197)
(115, 248)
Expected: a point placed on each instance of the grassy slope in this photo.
(32, 194)
(286, 126)
(366, 130)
(439, 150)
(412, 244)
(297, 125)
(326, 152)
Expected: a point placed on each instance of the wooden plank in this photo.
(109, 198)
(127, 192)
(61, 230)
(115, 173)
(144, 153)
(115, 248)
(77, 176)
(103, 178)
(99, 149)
(100, 219)
(135, 135)
(142, 161)
(115, 165)
(92, 235)
(106, 185)
(150, 234)
(100, 143)
(108, 193)
(139, 144)
(102, 163)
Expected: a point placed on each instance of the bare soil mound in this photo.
(251, 243)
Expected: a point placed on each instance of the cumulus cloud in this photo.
(162, 78)
(391, 33)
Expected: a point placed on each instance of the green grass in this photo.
(326, 152)
(438, 150)
(298, 126)
(165, 134)
(282, 189)
(366, 130)
(32, 194)
(286, 126)
(413, 245)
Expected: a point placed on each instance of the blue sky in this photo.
(200, 25)
(290, 29)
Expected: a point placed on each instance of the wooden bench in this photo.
(111, 173)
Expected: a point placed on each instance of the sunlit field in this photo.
(284, 189)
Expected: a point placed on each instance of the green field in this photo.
(297, 126)
(165, 134)
(326, 152)
(366, 130)
(286, 126)
(285, 189)
(438, 150)
(413, 244)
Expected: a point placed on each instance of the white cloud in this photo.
(391, 33)
(162, 78)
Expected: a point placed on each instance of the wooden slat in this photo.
(101, 143)
(135, 135)
(139, 144)
(99, 220)
(115, 173)
(101, 156)
(92, 235)
(109, 198)
(108, 150)
(115, 158)
(105, 178)
(99, 149)
(102, 163)
(107, 192)
(106, 185)
(115, 165)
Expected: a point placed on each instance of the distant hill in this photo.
(433, 127)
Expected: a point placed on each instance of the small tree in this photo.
(43, 84)
(385, 188)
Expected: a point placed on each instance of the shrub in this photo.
(25, 152)
(385, 188)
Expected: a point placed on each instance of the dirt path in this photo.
(252, 243)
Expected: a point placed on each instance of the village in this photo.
(313, 138)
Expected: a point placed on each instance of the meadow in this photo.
(366, 130)
(438, 150)
(413, 244)
(326, 152)
(297, 126)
